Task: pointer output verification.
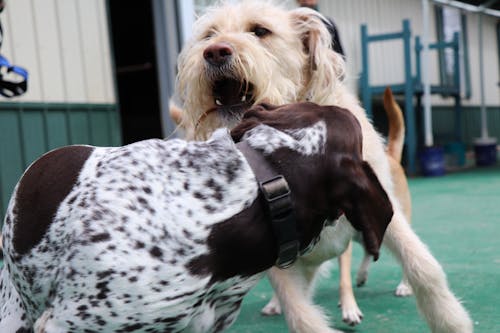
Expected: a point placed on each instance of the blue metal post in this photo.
(411, 140)
(418, 64)
(456, 80)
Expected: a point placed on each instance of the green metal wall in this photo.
(27, 130)
(443, 123)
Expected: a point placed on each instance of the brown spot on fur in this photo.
(41, 190)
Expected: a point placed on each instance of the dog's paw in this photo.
(351, 314)
(361, 278)
(403, 290)
(273, 308)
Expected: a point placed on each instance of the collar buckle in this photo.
(277, 194)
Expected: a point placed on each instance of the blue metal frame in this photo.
(412, 85)
(407, 87)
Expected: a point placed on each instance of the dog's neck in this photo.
(299, 155)
(245, 244)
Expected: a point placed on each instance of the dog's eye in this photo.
(260, 31)
(209, 33)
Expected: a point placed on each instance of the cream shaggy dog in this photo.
(250, 52)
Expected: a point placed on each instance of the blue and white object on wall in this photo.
(13, 79)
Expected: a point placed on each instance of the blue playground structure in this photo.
(412, 86)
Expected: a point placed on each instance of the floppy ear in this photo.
(364, 202)
(325, 67)
(251, 118)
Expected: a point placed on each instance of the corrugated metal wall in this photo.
(65, 47)
(386, 62)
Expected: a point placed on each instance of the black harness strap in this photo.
(276, 193)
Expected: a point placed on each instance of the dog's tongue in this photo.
(229, 92)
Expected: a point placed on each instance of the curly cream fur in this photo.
(296, 63)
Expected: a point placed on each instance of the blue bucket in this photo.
(485, 150)
(432, 161)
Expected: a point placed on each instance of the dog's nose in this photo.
(218, 54)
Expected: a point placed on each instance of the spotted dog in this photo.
(168, 236)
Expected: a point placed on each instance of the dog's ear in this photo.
(326, 68)
(289, 116)
(251, 118)
(364, 201)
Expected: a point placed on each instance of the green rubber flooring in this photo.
(458, 217)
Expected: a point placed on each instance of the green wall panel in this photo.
(33, 134)
(57, 129)
(11, 157)
(79, 127)
(101, 135)
(28, 130)
(443, 123)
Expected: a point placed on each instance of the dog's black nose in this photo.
(218, 54)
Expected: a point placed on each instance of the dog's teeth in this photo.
(244, 98)
(218, 102)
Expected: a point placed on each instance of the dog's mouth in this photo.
(232, 95)
(231, 98)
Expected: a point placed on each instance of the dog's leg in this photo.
(308, 272)
(273, 307)
(12, 314)
(292, 287)
(403, 289)
(351, 314)
(440, 308)
(362, 274)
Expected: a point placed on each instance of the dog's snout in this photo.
(218, 54)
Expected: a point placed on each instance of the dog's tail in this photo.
(396, 135)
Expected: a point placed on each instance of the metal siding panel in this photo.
(47, 44)
(20, 30)
(105, 45)
(71, 49)
(57, 129)
(100, 128)
(33, 135)
(11, 161)
(92, 51)
(115, 127)
(64, 64)
(79, 123)
(491, 57)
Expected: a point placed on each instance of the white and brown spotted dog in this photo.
(245, 53)
(168, 236)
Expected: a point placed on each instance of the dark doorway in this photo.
(133, 40)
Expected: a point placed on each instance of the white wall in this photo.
(64, 45)
(386, 58)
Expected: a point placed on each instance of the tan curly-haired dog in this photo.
(250, 52)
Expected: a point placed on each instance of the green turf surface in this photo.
(458, 217)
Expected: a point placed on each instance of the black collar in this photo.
(276, 194)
